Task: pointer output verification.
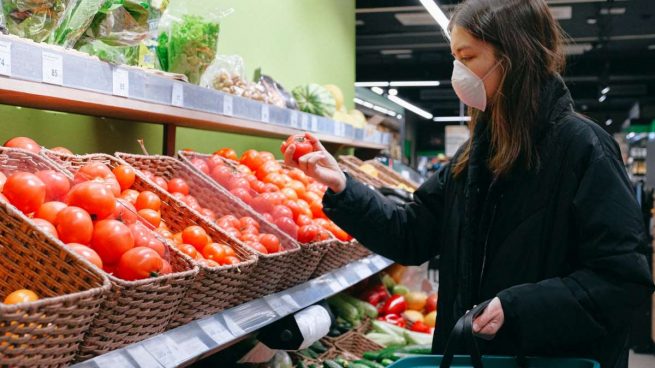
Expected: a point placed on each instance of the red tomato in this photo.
(303, 220)
(339, 233)
(248, 221)
(271, 242)
(258, 186)
(289, 193)
(86, 253)
(288, 226)
(124, 212)
(214, 161)
(249, 237)
(257, 246)
(112, 185)
(214, 252)
(251, 159)
(25, 191)
(263, 203)
(323, 235)
(190, 251)
(93, 197)
(111, 239)
(138, 264)
(91, 171)
(231, 260)
(317, 209)
(62, 150)
(166, 269)
(130, 195)
(281, 211)
(178, 185)
(228, 221)
(3, 180)
(295, 208)
(140, 233)
(148, 199)
(196, 236)
(25, 143)
(316, 188)
(249, 229)
(161, 182)
(46, 227)
(233, 233)
(227, 153)
(303, 146)
(298, 187)
(49, 211)
(156, 245)
(268, 217)
(266, 156)
(200, 164)
(243, 169)
(153, 217)
(268, 168)
(74, 225)
(56, 184)
(125, 175)
(165, 233)
(222, 175)
(242, 194)
(307, 233)
(229, 252)
(238, 182)
(209, 263)
(299, 175)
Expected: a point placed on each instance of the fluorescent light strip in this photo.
(605, 90)
(415, 84)
(415, 109)
(377, 90)
(371, 84)
(451, 119)
(437, 14)
(602, 98)
(374, 107)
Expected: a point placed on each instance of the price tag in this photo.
(5, 58)
(314, 124)
(343, 130)
(142, 357)
(266, 118)
(121, 82)
(115, 359)
(304, 122)
(215, 330)
(227, 105)
(53, 68)
(177, 99)
(282, 305)
(362, 271)
(379, 262)
(191, 347)
(337, 128)
(164, 350)
(294, 120)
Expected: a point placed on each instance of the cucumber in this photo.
(364, 308)
(344, 363)
(372, 355)
(318, 347)
(344, 309)
(357, 365)
(416, 349)
(331, 364)
(300, 364)
(385, 362)
(369, 363)
(312, 366)
(335, 332)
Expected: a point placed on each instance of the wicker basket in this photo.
(310, 255)
(47, 332)
(215, 288)
(133, 310)
(356, 173)
(356, 344)
(342, 253)
(392, 175)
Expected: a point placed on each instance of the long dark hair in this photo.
(528, 42)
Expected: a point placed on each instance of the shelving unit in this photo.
(189, 343)
(43, 77)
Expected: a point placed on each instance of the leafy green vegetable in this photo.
(121, 22)
(188, 47)
(33, 19)
(114, 54)
(76, 20)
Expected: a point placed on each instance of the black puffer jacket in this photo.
(558, 244)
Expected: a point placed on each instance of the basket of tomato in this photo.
(224, 265)
(49, 295)
(275, 251)
(82, 215)
(284, 197)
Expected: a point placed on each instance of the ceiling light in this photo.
(377, 90)
(612, 11)
(371, 84)
(584, 107)
(393, 92)
(561, 12)
(651, 47)
(438, 15)
(602, 98)
(399, 116)
(374, 107)
(404, 56)
(592, 20)
(395, 52)
(577, 49)
(414, 19)
(605, 90)
(609, 122)
(359, 22)
(415, 84)
(415, 109)
(451, 119)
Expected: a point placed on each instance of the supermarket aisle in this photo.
(641, 360)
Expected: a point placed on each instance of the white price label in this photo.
(314, 124)
(266, 118)
(142, 357)
(53, 68)
(165, 350)
(282, 305)
(343, 130)
(227, 105)
(191, 347)
(5, 58)
(294, 119)
(215, 330)
(177, 99)
(115, 359)
(304, 122)
(121, 82)
(362, 271)
(337, 128)
(379, 262)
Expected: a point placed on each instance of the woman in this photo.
(535, 212)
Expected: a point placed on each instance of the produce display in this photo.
(76, 19)
(315, 99)
(33, 19)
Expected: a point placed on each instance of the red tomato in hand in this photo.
(74, 225)
(151, 216)
(125, 175)
(25, 143)
(56, 184)
(138, 264)
(307, 233)
(111, 239)
(178, 185)
(46, 227)
(94, 197)
(227, 153)
(86, 253)
(303, 146)
(196, 236)
(49, 211)
(147, 199)
(25, 191)
(271, 242)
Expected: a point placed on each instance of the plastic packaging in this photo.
(33, 19)
(147, 52)
(128, 55)
(187, 44)
(75, 21)
(121, 23)
(277, 95)
(226, 74)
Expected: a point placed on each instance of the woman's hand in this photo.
(490, 321)
(319, 165)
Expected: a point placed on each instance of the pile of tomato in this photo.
(285, 197)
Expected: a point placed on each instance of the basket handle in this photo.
(464, 329)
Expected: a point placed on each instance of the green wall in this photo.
(294, 41)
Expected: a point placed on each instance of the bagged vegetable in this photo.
(147, 57)
(315, 99)
(277, 95)
(128, 55)
(226, 74)
(121, 23)
(187, 44)
(76, 20)
(33, 19)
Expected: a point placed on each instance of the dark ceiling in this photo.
(612, 42)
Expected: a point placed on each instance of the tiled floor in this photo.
(641, 361)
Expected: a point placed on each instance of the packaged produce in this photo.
(33, 19)
(75, 21)
(226, 74)
(277, 95)
(128, 55)
(147, 50)
(315, 99)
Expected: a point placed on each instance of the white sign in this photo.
(456, 135)
(337, 128)
(121, 82)
(227, 105)
(304, 122)
(294, 120)
(53, 68)
(314, 124)
(266, 118)
(5, 58)
(177, 99)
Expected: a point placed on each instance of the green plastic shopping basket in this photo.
(463, 333)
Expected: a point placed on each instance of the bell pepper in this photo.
(396, 304)
(419, 326)
(394, 319)
(373, 297)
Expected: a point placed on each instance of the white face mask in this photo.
(469, 87)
